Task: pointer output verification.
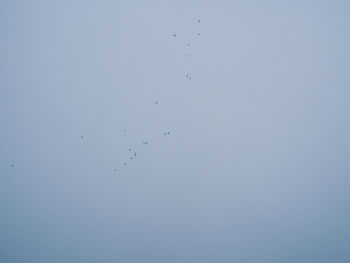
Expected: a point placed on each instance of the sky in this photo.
(255, 167)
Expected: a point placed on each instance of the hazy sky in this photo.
(255, 169)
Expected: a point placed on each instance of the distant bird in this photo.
(114, 169)
(124, 164)
(129, 149)
(164, 133)
(168, 133)
(135, 153)
(199, 34)
(145, 143)
(187, 76)
(12, 165)
(188, 44)
(174, 35)
(81, 137)
(156, 102)
(130, 158)
(198, 21)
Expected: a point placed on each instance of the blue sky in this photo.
(255, 168)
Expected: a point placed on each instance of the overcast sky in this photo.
(256, 164)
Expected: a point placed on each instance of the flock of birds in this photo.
(132, 154)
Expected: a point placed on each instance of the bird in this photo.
(199, 34)
(81, 136)
(124, 164)
(130, 158)
(129, 149)
(114, 169)
(168, 133)
(187, 76)
(12, 165)
(174, 35)
(156, 102)
(164, 133)
(135, 153)
(188, 44)
(198, 21)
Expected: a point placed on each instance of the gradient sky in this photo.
(255, 169)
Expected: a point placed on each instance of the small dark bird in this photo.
(130, 158)
(199, 34)
(174, 35)
(12, 165)
(81, 137)
(187, 76)
(199, 21)
(129, 149)
(188, 44)
(115, 170)
(135, 154)
(124, 164)
(156, 102)
(168, 133)
(164, 133)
